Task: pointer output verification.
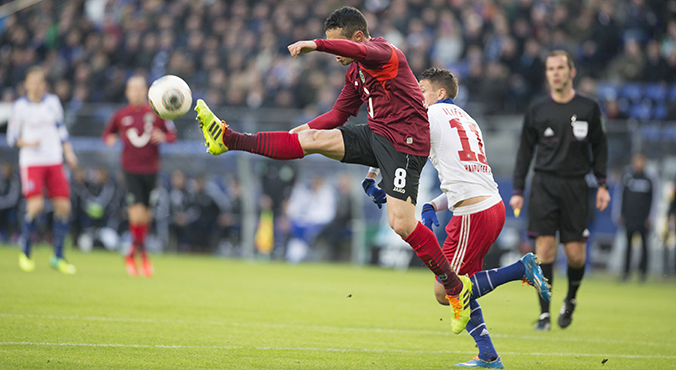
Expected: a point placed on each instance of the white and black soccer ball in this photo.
(170, 97)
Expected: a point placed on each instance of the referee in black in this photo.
(565, 131)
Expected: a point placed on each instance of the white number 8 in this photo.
(400, 178)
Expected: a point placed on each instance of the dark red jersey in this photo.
(382, 79)
(134, 126)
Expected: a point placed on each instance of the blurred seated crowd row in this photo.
(197, 214)
(234, 52)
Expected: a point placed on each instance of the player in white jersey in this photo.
(36, 127)
(469, 190)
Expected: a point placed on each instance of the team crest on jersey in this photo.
(361, 77)
(580, 128)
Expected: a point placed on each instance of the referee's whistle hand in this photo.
(516, 201)
(602, 198)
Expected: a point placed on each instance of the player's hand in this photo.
(111, 140)
(376, 194)
(301, 47)
(429, 216)
(602, 198)
(157, 136)
(516, 202)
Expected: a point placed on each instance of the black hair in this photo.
(349, 20)
(442, 78)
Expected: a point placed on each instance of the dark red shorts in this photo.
(470, 237)
(34, 180)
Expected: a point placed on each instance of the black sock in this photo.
(548, 272)
(574, 279)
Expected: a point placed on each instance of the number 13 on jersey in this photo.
(466, 154)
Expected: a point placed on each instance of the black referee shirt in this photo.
(569, 140)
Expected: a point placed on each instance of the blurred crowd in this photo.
(312, 218)
(234, 52)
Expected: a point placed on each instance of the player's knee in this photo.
(441, 298)
(34, 206)
(576, 261)
(401, 226)
(310, 139)
(62, 210)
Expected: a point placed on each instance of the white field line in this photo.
(324, 328)
(311, 349)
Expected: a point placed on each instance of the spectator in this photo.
(635, 207)
(311, 207)
(179, 210)
(629, 66)
(204, 212)
(10, 194)
(338, 233)
(655, 68)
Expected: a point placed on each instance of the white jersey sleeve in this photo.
(40, 123)
(457, 152)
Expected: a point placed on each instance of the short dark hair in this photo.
(349, 20)
(34, 69)
(562, 53)
(442, 78)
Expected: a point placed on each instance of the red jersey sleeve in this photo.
(111, 126)
(329, 120)
(349, 101)
(167, 126)
(367, 53)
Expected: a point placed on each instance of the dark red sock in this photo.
(425, 244)
(138, 236)
(132, 251)
(272, 144)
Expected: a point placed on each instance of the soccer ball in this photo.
(170, 97)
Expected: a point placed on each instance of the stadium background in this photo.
(233, 54)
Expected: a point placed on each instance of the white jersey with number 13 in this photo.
(458, 154)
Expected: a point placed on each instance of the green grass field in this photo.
(205, 312)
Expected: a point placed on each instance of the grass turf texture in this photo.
(204, 312)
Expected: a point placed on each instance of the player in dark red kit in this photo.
(142, 132)
(396, 138)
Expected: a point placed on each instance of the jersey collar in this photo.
(447, 101)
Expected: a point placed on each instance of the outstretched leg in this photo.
(526, 270)
(272, 144)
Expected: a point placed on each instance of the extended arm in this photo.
(599, 145)
(524, 155)
(329, 120)
(376, 194)
(109, 134)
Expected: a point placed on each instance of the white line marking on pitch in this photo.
(165, 346)
(320, 327)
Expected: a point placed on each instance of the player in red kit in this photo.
(141, 132)
(396, 138)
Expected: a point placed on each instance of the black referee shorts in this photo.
(139, 187)
(559, 203)
(400, 172)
